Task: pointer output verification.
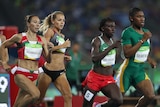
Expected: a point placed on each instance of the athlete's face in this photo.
(138, 19)
(109, 29)
(76, 47)
(59, 21)
(34, 24)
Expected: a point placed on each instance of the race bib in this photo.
(32, 51)
(142, 54)
(88, 95)
(60, 42)
(109, 59)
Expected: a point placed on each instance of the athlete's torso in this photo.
(104, 66)
(57, 57)
(130, 36)
(29, 52)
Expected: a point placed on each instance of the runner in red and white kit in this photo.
(30, 48)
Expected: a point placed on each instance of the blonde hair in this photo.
(47, 22)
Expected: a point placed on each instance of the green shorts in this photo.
(130, 75)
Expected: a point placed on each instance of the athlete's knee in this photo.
(150, 96)
(114, 102)
(40, 99)
(35, 95)
(67, 96)
(118, 100)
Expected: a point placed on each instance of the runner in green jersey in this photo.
(100, 77)
(136, 48)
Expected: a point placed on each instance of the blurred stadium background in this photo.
(82, 21)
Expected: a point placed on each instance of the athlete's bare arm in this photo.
(14, 39)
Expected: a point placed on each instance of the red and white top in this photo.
(31, 50)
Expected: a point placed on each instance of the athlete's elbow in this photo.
(94, 59)
(127, 55)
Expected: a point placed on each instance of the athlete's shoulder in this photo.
(49, 32)
(2, 37)
(41, 37)
(127, 31)
(18, 36)
(95, 40)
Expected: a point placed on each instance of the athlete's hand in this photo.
(50, 45)
(67, 43)
(146, 36)
(153, 64)
(68, 58)
(6, 66)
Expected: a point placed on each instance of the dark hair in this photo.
(103, 21)
(133, 11)
(28, 19)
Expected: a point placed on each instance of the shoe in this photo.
(96, 104)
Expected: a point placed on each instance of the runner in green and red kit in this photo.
(100, 77)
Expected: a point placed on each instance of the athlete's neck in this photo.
(106, 37)
(56, 30)
(137, 27)
(31, 36)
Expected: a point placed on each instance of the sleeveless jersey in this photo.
(130, 36)
(58, 40)
(110, 58)
(31, 50)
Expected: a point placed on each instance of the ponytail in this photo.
(46, 23)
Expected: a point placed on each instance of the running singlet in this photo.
(58, 40)
(29, 49)
(110, 58)
(127, 38)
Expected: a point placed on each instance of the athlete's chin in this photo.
(110, 36)
(61, 28)
(35, 31)
(142, 24)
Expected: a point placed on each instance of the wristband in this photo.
(142, 41)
